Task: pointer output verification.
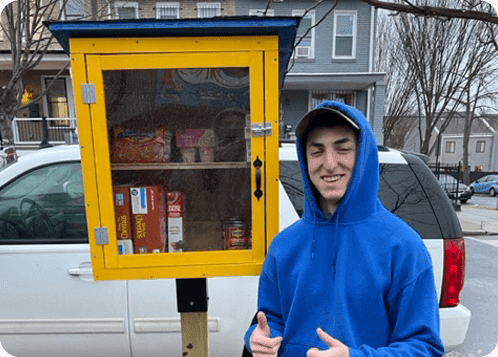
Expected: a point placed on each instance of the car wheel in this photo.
(492, 192)
(464, 201)
(472, 191)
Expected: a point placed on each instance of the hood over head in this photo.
(361, 197)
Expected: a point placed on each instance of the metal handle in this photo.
(257, 164)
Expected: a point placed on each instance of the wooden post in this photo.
(191, 295)
(194, 334)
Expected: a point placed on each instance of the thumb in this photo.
(329, 340)
(263, 323)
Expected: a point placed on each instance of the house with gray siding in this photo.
(333, 61)
(482, 148)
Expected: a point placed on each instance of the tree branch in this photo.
(434, 11)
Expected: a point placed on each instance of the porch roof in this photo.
(336, 81)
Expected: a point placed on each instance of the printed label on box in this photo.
(138, 200)
(122, 212)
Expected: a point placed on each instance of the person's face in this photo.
(331, 155)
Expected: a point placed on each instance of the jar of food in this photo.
(235, 233)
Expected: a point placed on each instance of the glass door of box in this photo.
(180, 176)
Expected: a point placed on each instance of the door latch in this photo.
(261, 129)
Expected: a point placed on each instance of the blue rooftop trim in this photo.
(284, 27)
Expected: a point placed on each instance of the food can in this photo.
(235, 233)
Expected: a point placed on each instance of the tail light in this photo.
(453, 272)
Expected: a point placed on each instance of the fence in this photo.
(34, 130)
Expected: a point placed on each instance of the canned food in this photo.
(235, 233)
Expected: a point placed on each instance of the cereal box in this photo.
(148, 211)
(176, 215)
(122, 211)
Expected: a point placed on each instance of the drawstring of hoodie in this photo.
(335, 245)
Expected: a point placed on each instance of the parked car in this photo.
(486, 184)
(455, 189)
(51, 306)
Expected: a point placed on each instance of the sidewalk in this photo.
(478, 220)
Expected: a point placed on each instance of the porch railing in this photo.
(33, 130)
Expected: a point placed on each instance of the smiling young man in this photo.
(349, 278)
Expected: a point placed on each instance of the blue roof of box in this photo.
(284, 27)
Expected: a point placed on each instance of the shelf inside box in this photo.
(179, 166)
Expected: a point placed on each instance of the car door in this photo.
(50, 305)
(480, 186)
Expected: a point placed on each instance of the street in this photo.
(480, 295)
(483, 200)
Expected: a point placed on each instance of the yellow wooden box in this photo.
(226, 86)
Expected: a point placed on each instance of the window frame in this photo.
(354, 35)
(216, 6)
(168, 4)
(310, 14)
(449, 147)
(480, 146)
(330, 95)
(119, 4)
(64, 15)
(69, 94)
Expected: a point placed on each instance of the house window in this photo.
(208, 9)
(73, 10)
(344, 45)
(305, 36)
(125, 10)
(261, 12)
(481, 146)
(318, 96)
(168, 10)
(57, 101)
(450, 147)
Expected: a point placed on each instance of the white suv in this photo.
(51, 306)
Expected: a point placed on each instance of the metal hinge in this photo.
(261, 129)
(88, 93)
(101, 236)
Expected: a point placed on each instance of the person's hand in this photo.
(336, 347)
(261, 342)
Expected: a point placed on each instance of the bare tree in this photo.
(399, 103)
(29, 40)
(438, 55)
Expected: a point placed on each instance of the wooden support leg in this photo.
(194, 334)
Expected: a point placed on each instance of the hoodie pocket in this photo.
(296, 349)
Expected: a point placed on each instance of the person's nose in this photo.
(330, 160)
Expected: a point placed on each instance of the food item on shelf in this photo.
(235, 233)
(125, 246)
(140, 146)
(176, 214)
(122, 211)
(189, 140)
(148, 210)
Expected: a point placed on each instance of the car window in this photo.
(45, 205)
(399, 191)
(490, 178)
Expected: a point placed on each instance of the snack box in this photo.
(136, 146)
(122, 209)
(192, 138)
(148, 211)
(125, 246)
(176, 214)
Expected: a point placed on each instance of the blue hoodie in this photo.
(363, 275)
